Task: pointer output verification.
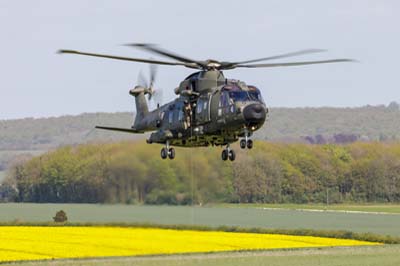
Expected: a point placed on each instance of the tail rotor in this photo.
(148, 85)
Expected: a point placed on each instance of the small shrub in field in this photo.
(60, 217)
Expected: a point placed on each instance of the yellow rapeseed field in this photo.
(45, 242)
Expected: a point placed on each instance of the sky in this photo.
(35, 81)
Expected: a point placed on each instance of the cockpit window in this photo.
(256, 96)
(224, 101)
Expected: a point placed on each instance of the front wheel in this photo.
(242, 143)
(249, 144)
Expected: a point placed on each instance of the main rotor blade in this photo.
(297, 53)
(163, 52)
(141, 60)
(296, 63)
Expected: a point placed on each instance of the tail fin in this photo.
(141, 104)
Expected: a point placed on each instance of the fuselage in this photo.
(218, 116)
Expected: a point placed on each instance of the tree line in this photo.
(132, 172)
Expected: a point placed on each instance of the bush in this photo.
(8, 193)
(61, 217)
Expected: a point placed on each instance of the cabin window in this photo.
(199, 107)
(180, 115)
(170, 116)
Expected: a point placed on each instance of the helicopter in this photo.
(210, 110)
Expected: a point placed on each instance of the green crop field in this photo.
(383, 224)
(371, 256)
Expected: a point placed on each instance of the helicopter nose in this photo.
(254, 113)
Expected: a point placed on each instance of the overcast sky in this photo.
(37, 82)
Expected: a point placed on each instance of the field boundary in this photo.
(236, 253)
(328, 210)
(212, 254)
(352, 208)
(339, 234)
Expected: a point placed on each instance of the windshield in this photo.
(242, 96)
(239, 96)
(256, 96)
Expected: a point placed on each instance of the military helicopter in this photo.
(210, 110)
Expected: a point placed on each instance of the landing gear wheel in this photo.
(224, 155)
(249, 144)
(164, 153)
(232, 155)
(243, 144)
(171, 153)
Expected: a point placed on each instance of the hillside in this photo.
(23, 137)
(373, 123)
(368, 122)
(47, 133)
